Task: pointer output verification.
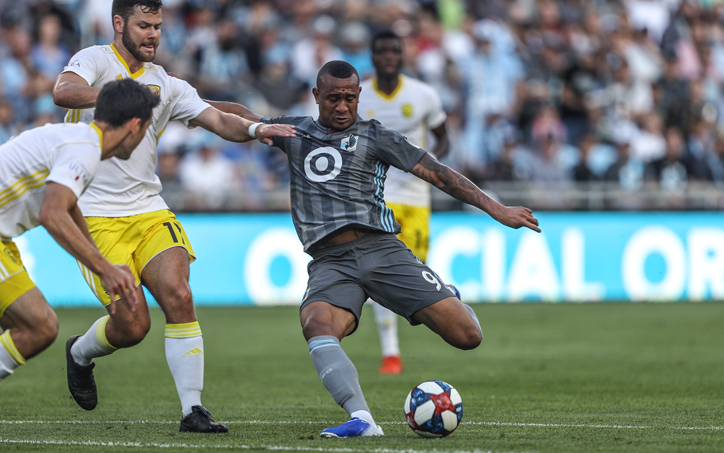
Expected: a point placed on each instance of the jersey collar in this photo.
(100, 133)
(385, 96)
(135, 75)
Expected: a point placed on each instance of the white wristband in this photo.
(252, 129)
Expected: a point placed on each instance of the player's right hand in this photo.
(265, 132)
(516, 217)
(118, 281)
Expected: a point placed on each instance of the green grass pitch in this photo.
(609, 377)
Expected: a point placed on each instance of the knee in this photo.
(47, 331)
(470, 338)
(474, 338)
(320, 318)
(178, 304)
(133, 333)
(312, 327)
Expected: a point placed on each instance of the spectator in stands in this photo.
(546, 163)
(670, 171)
(649, 144)
(627, 172)
(582, 172)
(207, 176)
(490, 77)
(674, 91)
(49, 56)
(8, 126)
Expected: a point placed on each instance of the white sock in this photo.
(387, 328)
(10, 358)
(92, 344)
(185, 357)
(364, 415)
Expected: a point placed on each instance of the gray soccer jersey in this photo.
(337, 178)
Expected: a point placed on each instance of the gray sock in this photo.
(472, 313)
(337, 373)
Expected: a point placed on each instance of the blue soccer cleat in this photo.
(355, 427)
(455, 291)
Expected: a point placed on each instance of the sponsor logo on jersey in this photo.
(80, 172)
(119, 77)
(156, 89)
(349, 143)
(323, 164)
(407, 110)
(75, 63)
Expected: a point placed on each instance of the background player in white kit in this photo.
(128, 219)
(412, 108)
(43, 171)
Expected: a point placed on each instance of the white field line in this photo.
(293, 422)
(228, 446)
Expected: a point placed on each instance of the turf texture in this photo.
(608, 377)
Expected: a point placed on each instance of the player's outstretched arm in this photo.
(71, 91)
(461, 188)
(235, 109)
(236, 129)
(61, 216)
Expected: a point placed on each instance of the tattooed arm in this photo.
(460, 188)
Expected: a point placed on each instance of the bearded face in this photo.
(141, 34)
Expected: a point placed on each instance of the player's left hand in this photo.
(119, 282)
(265, 132)
(516, 217)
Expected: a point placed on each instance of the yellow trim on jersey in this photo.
(186, 330)
(100, 133)
(161, 133)
(73, 116)
(385, 96)
(135, 75)
(22, 185)
(7, 341)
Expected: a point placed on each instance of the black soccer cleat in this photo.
(200, 421)
(81, 383)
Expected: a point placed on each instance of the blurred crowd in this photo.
(557, 92)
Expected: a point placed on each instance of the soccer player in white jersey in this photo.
(43, 171)
(411, 108)
(130, 222)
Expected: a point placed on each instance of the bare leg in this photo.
(32, 323)
(167, 277)
(450, 319)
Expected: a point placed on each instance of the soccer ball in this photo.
(433, 409)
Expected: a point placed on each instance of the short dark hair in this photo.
(338, 69)
(122, 100)
(124, 8)
(384, 34)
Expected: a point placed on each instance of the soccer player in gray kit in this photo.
(338, 164)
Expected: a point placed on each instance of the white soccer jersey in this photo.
(68, 154)
(412, 109)
(129, 187)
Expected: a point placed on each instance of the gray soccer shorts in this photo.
(376, 266)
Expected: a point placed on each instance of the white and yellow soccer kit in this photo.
(412, 109)
(67, 154)
(126, 216)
